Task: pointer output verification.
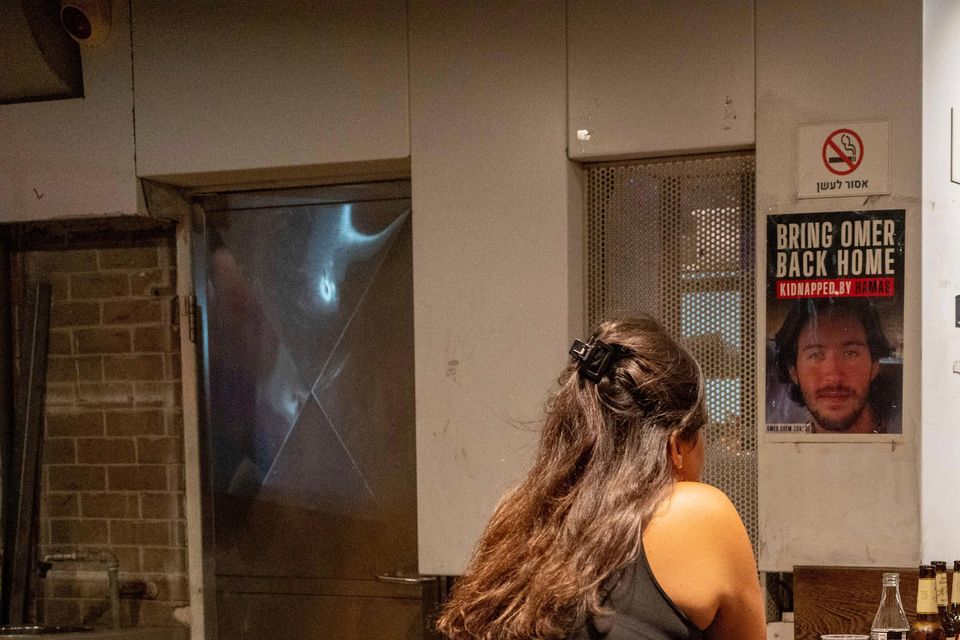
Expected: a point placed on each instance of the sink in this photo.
(86, 633)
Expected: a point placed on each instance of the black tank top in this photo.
(640, 610)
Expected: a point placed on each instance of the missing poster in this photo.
(835, 323)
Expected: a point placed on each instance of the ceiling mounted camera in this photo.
(86, 21)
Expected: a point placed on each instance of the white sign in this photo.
(851, 159)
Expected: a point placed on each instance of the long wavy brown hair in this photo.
(603, 467)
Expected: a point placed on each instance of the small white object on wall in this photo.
(955, 145)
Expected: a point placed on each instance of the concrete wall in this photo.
(497, 243)
(642, 83)
(850, 503)
(496, 240)
(256, 85)
(250, 92)
(940, 513)
(658, 78)
(68, 158)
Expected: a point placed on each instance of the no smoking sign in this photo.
(842, 152)
(843, 160)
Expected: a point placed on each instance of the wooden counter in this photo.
(844, 599)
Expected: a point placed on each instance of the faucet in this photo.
(105, 556)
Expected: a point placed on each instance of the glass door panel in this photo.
(306, 300)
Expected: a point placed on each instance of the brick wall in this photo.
(112, 465)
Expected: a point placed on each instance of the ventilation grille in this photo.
(675, 239)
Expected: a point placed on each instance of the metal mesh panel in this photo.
(675, 239)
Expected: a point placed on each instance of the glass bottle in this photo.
(942, 598)
(890, 623)
(927, 625)
(953, 611)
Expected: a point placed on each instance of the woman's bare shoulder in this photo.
(697, 500)
(698, 518)
(699, 551)
(699, 515)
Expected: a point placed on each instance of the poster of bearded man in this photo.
(834, 332)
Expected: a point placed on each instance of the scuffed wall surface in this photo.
(69, 158)
(841, 503)
(261, 85)
(941, 282)
(491, 254)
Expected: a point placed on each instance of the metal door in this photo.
(306, 345)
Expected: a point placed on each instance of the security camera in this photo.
(86, 21)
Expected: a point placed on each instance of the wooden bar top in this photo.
(844, 599)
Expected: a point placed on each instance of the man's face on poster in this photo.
(834, 370)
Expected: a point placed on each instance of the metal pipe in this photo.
(113, 581)
(6, 420)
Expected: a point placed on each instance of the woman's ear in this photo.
(673, 448)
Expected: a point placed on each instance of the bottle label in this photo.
(942, 589)
(955, 598)
(926, 596)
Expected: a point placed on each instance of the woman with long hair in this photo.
(611, 535)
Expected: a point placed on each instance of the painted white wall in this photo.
(267, 85)
(841, 503)
(496, 245)
(660, 78)
(68, 158)
(941, 282)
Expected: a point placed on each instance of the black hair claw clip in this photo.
(594, 358)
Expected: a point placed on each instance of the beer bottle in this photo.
(942, 599)
(953, 612)
(927, 625)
